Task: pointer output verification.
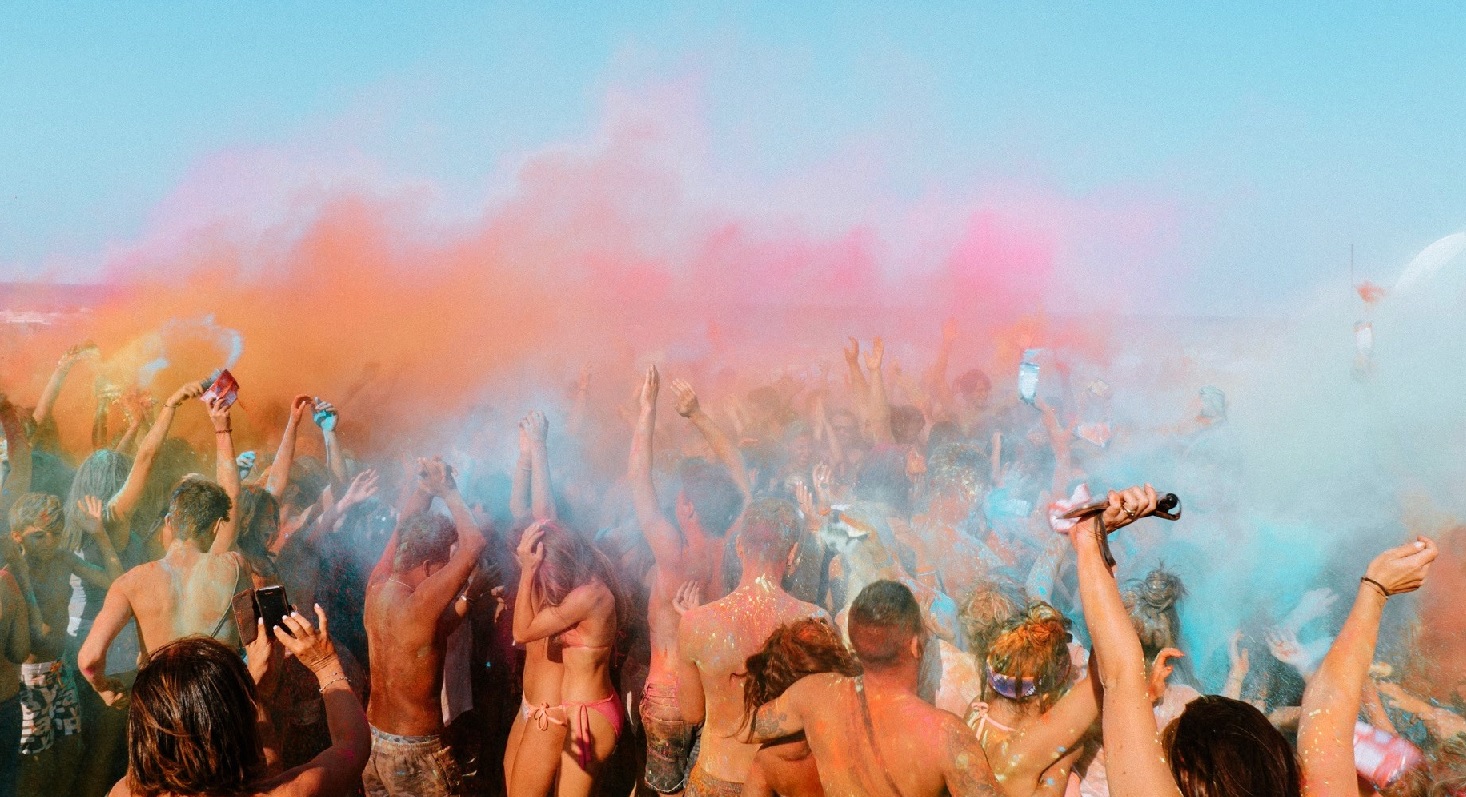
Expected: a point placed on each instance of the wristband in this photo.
(1375, 584)
(224, 431)
(335, 680)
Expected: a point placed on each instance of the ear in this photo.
(791, 562)
(914, 647)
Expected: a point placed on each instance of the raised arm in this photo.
(879, 406)
(859, 388)
(416, 501)
(519, 489)
(722, 447)
(18, 448)
(285, 455)
(1331, 701)
(326, 417)
(936, 377)
(542, 497)
(137, 406)
(665, 542)
(338, 769)
(90, 511)
(120, 506)
(47, 402)
(1059, 442)
(532, 623)
(1035, 747)
(579, 408)
(1136, 763)
(437, 591)
(226, 472)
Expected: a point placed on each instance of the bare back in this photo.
(925, 751)
(179, 596)
(719, 637)
(701, 561)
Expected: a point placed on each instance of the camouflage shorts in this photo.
(48, 706)
(410, 766)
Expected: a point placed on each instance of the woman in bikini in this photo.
(567, 597)
(1028, 725)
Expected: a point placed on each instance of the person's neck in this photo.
(184, 548)
(761, 578)
(900, 678)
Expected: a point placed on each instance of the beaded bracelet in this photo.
(335, 680)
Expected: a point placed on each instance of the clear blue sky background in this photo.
(1285, 134)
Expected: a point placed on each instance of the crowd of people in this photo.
(814, 589)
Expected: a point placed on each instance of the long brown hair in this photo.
(191, 726)
(572, 561)
(794, 650)
(1221, 747)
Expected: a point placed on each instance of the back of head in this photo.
(1153, 610)
(1029, 658)
(259, 521)
(794, 650)
(883, 620)
(713, 494)
(769, 531)
(906, 424)
(41, 510)
(883, 479)
(196, 506)
(426, 538)
(101, 475)
(191, 723)
(987, 611)
(1221, 747)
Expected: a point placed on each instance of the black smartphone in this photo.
(272, 606)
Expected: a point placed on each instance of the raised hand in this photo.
(325, 415)
(1127, 506)
(822, 476)
(852, 353)
(311, 646)
(1313, 605)
(1403, 569)
(949, 331)
(877, 354)
(688, 597)
(219, 414)
(536, 425)
(191, 390)
(531, 549)
(1285, 648)
(77, 353)
(300, 405)
(264, 659)
(437, 476)
(650, 387)
(686, 398)
(362, 488)
(89, 509)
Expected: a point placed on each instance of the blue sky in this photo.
(1281, 134)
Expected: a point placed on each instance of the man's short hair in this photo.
(36, 509)
(907, 422)
(196, 505)
(883, 619)
(770, 530)
(427, 538)
(712, 493)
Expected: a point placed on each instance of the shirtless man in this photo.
(707, 505)
(49, 701)
(715, 640)
(15, 646)
(873, 735)
(191, 589)
(188, 591)
(415, 599)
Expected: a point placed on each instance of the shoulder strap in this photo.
(870, 736)
(229, 610)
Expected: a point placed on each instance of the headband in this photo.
(1009, 686)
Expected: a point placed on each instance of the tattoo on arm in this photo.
(968, 772)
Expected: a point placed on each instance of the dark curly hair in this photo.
(794, 650)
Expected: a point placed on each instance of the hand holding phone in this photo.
(272, 605)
